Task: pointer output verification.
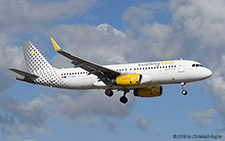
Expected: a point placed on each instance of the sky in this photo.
(112, 32)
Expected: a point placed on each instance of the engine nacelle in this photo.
(145, 78)
(128, 79)
(150, 91)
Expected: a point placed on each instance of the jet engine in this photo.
(150, 91)
(132, 79)
(128, 79)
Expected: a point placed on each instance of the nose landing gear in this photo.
(184, 92)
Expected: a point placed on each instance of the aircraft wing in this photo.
(104, 74)
(23, 73)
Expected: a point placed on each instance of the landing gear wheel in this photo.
(184, 92)
(109, 92)
(123, 99)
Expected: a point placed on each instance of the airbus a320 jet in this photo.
(145, 79)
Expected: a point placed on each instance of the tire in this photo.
(184, 92)
(109, 92)
(123, 100)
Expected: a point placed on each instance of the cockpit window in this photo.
(197, 65)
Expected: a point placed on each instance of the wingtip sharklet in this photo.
(56, 46)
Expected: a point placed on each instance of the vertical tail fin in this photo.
(35, 61)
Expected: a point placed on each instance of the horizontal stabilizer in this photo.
(23, 73)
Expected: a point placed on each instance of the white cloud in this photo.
(10, 56)
(23, 17)
(109, 30)
(202, 117)
(89, 103)
(163, 42)
(89, 120)
(142, 122)
(135, 15)
(18, 118)
(156, 41)
(204, 21)
(109, 125)
(30, 113)
(101, 44)
(142, 13)
(197, 29)
(27, 16)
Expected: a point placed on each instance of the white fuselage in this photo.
(164, 72)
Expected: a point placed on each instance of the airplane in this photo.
(145, 78)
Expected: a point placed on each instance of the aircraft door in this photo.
(181, 66)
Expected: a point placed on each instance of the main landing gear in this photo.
(109, 92)
(123, 99)
(184, 92)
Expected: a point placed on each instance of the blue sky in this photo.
(111, 32)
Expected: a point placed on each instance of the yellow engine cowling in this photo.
(150, 91)
(128, 79)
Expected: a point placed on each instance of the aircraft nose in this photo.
(208, 73)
